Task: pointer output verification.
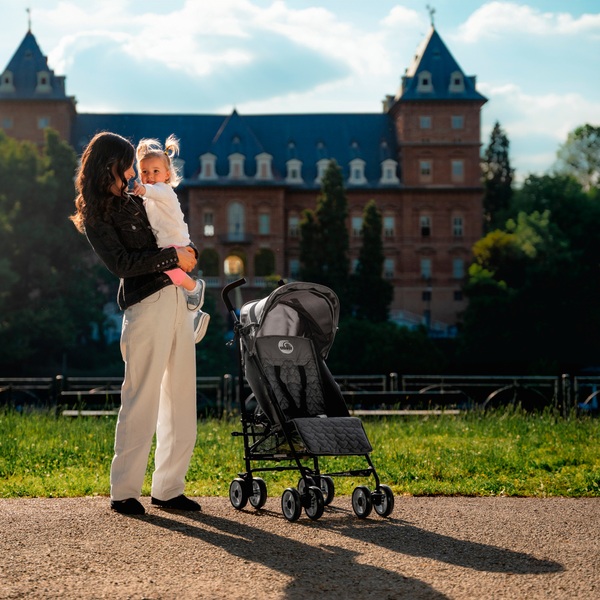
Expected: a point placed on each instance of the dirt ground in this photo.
(455, 548)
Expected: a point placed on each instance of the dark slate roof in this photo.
(307, 137)
(25, 64)
(434, 56)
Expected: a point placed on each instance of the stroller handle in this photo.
(227, 289)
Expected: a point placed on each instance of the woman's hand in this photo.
(186, 258)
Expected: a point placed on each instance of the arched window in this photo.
(208, 262)
(264, 262)
(234, 266)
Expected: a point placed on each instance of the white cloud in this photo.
(503, 19)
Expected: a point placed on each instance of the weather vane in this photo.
(431, 13)
(28, 10)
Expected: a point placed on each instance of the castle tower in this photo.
(32, 97)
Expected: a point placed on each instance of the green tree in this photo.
(324, 237)
(579, 156)
(372, 295)
(497, 178)
(49, 296)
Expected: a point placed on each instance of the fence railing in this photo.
(218, 396)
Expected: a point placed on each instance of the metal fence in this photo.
(218, 396)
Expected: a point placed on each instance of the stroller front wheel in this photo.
(384, 504)
(361, 501)
(238, 494)
(315, 503)
(291, 505)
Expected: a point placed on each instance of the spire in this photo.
(431, 11)
(28, 10)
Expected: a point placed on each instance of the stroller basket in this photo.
(300, 413)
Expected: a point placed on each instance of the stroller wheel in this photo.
(291, 504)
(238, 494)
(302, 485)
(259, 492)
(327, 487)
(383, 501)
(361, 501)
(315, 503)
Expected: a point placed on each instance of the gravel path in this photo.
(456, 548)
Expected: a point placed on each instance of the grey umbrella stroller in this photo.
(296, 412)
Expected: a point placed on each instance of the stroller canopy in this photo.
(295, 309)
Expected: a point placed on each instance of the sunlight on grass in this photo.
(507, 453)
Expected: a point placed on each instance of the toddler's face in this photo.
(154, 170)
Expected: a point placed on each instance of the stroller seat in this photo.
(298, 399)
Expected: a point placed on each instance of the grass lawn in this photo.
(506, 452)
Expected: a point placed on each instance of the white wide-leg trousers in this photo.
(158, 396)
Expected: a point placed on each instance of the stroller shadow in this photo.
(399, 536)
(312, 568)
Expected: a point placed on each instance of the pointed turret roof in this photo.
(435, 75)
(28, 75)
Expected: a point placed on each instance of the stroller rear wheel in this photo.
(259, 492)
(291, 504)
(327, 487)
(361, 501)
(238, 493)
(383, 501)
(315, 504)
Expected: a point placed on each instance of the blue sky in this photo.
(537, 62)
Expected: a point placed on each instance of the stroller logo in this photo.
(286, 347)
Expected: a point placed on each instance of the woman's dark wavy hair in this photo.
(94, 176)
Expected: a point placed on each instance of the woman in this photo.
(157, 340)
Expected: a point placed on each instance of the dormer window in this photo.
(6, 83)
(357, 172)
(294, 171)
(321, 168)
(208, 168)
(236, 166)
(457, 82)
(43, 83)
(425, 84)
(388, 172)
(263, 166)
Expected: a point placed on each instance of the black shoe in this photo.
(131, 506)
(178, 503)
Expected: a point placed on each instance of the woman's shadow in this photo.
(313, 569)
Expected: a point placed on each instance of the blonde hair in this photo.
(151, 148)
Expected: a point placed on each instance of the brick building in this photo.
(247, 179)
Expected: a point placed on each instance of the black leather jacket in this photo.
(126, 245)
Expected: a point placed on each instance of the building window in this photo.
(7, 123)
(458, 268)
(6, 83)
(424, 82)
(458, 295)
(425, 171)
(354, 265)
(209, 225)
(457, 82)
(458, 122)
(425, 122)
(321, 168)
(457, 226)
(294, 226)
(43, 83)
(236, 165)
(388, 172)
(43, 122)
(357, 223)
(294, 268)
(264, 224)
(208, 168)
(263, 166)
(388, 227)
(425, 224)
(426, 268)
(458, 170)
(388, 268)
(264, 262)
(357, 172)
(233, 266)
(236, 225)
(294, 171)
(426, 295)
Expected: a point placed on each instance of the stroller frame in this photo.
(277, 438)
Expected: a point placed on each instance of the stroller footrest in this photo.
(333, 435)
